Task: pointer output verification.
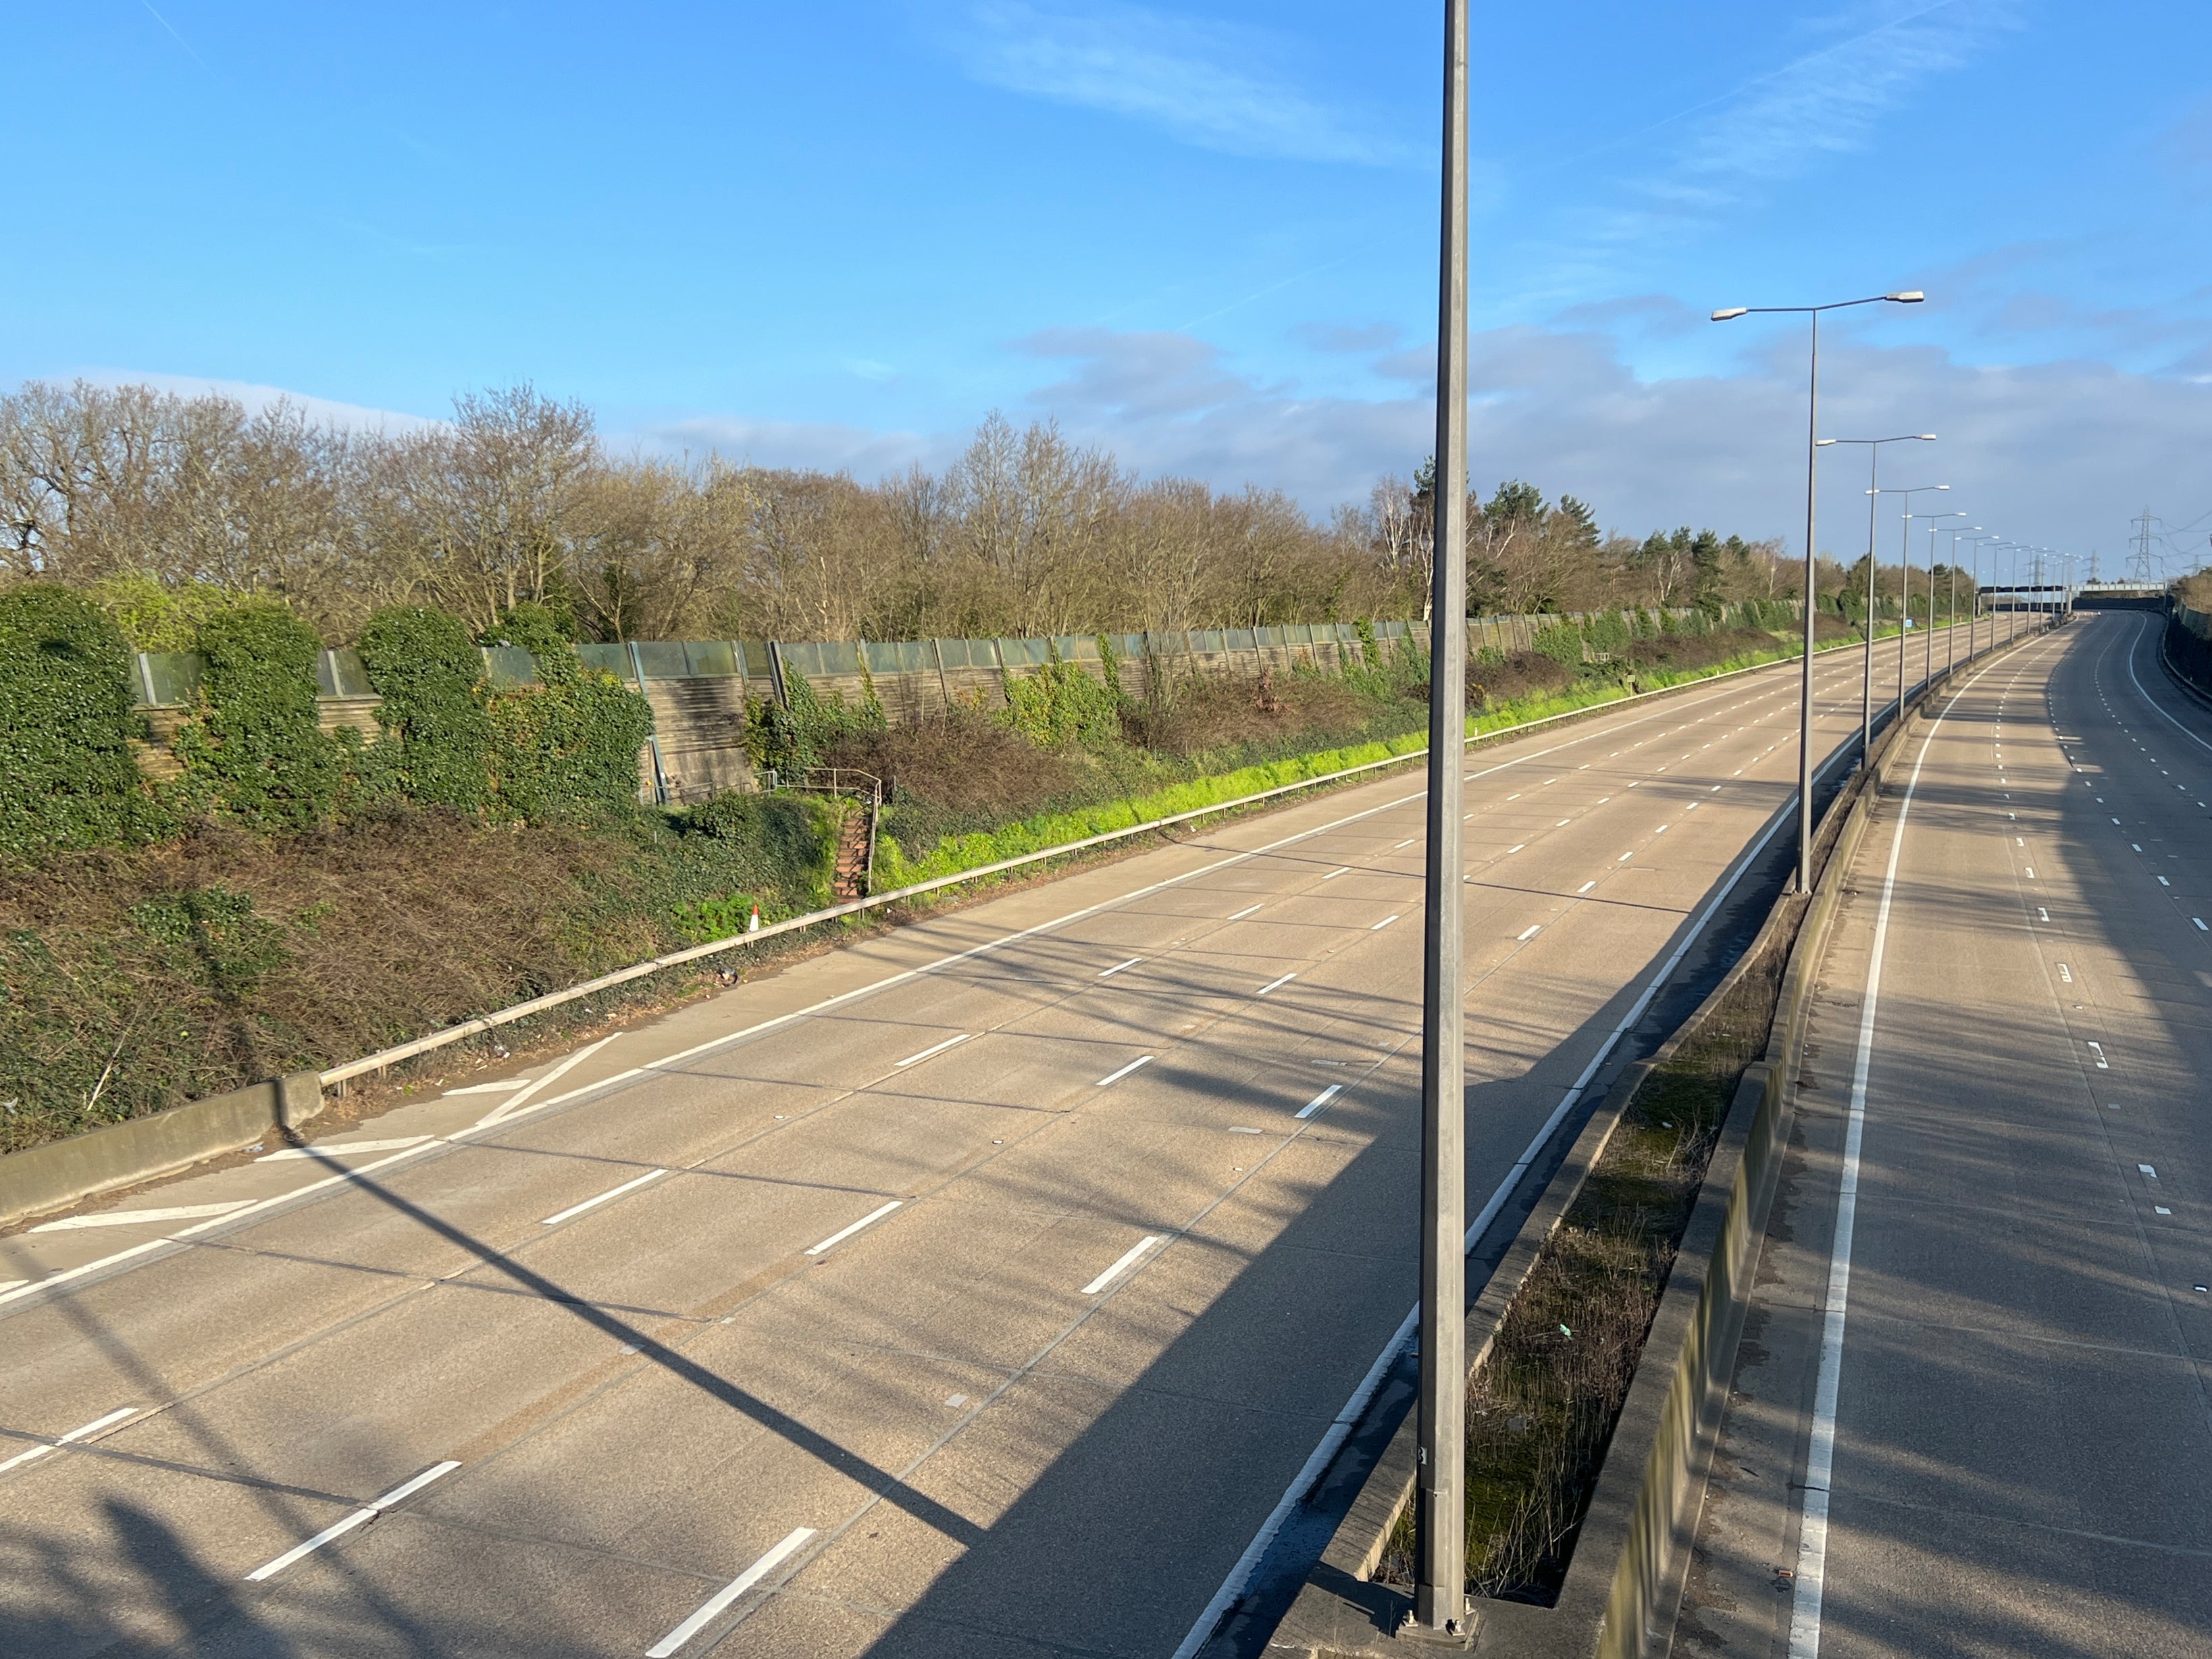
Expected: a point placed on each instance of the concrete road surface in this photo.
(1970, 1414)
(975, 1290)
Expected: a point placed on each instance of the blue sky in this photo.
(1202, 234)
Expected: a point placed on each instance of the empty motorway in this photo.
(1973, 1413)
(976, 1290)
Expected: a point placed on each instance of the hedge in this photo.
(66, 723)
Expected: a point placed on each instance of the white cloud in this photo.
(1203, 84)
(826, 444)
(327, 411)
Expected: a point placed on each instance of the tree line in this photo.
(168, 507)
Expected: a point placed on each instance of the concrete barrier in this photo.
(65, 1172)
(1624, 1582)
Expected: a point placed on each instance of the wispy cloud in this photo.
(1205, 83)
(1849, 70)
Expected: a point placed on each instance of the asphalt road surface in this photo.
(975, 1291)
(1970, 1414)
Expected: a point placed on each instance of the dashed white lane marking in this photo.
(934, 1048)
(338, 1149)
(955, 1400)
(1274, 984)
(1130, 1258)
(1115, 1077)
(2098, 1049)
(2201, 928)
(2042, 914)
(669, 1644)
(1530, 933)
(1346, 869)
(1408, 841)
(1625, 857)
(137, 1218)
(2163, 881)
(1320, 1100)
(2148, 1172)
(2031, 871)
(1249, 909)
(1563, 823)
(1108, 973)
(2065, 974)
(376, 1507)
(1515, 848)
(844, 1233)
(607, 1197)
(1241, 1129)
(1585, 887)
(73, 1436)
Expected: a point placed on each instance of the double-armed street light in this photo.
(1928, 641)
(1906, 297)
(1904, 558)
(1874, 504)
(1975, 541)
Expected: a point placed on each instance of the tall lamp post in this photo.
(1904, 557)
(1873, 568)
(1927, 641)
(1976, 541)
(1440, 1513)
(1906, 297)
(1951, 616)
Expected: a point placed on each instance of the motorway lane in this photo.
(646, 1395)
(2022, 1431)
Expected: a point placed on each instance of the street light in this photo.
(1904, 297)
(1928, 640)
(1440, 1506)
(1873, 566)
(1977, 541)
(1904, 558)
(1951, 616)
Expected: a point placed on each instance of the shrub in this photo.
(1562, 642)
(66, 722)
(792, 741)
(155, 615)
(1060, 707)
(427, 669)
(254, 752)
(777, 851)
(567, 747)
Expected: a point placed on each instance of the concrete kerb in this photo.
(1624, 1584)
(66, 1172)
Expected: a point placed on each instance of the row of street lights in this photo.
(1972, 535)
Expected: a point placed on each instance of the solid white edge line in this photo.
(1233, 1586)
(935, 1049)
(844, 1233)
(730, 1592)
(1130, 1257)
(607, 1197)
(1320, 1100)
(1810, 1583)
(1115, 1077)
(369, 1511)
(37, 1287)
